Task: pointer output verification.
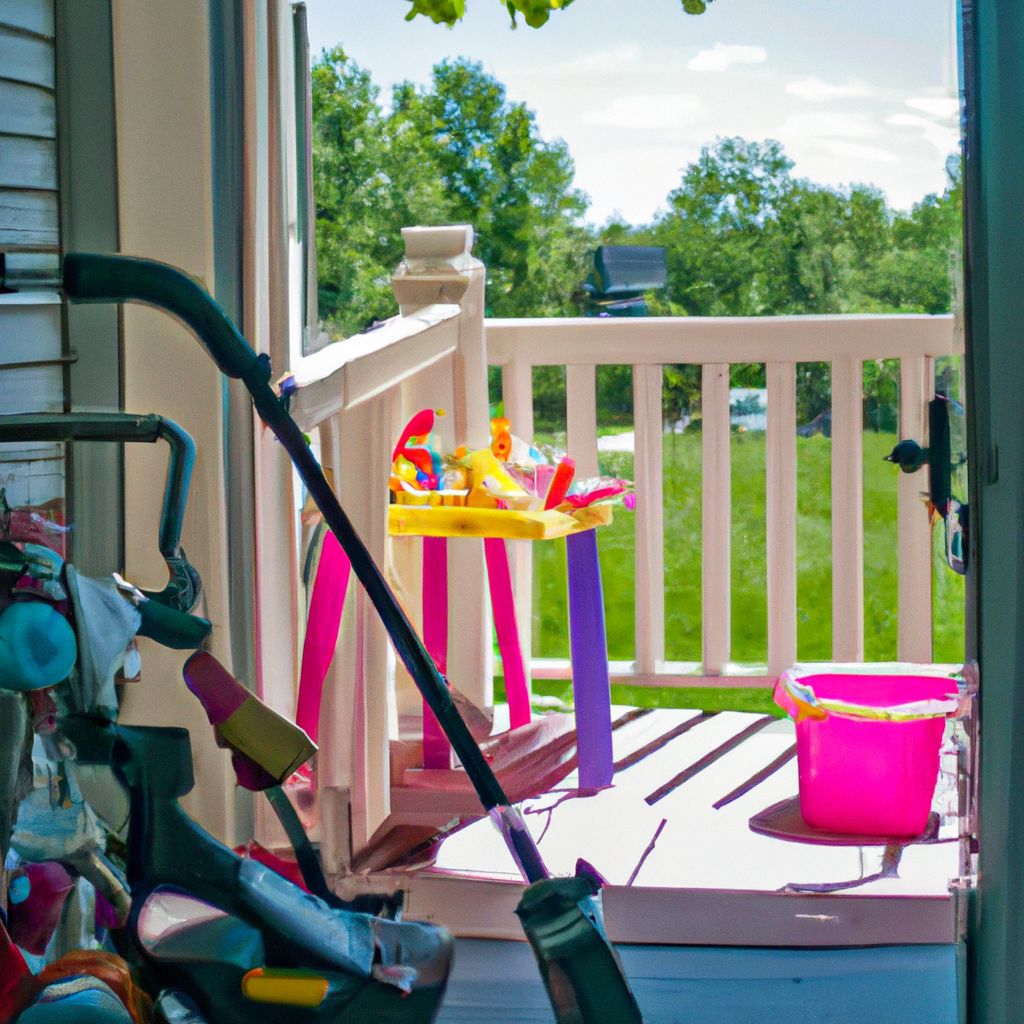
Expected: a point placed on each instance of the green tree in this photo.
(368, 184)
(743, 237)
(456, 151)
(722, 226)
(514, 187)
(535, 12)
(914, 275)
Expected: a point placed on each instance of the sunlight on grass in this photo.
(682, 492)
(814, 547)
(749, 613)
(749, 610)
(703, 698)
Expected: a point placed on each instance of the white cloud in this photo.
(827, 125)
(842, 149)
(631, 180)
(723, 56)
(816, 90)
(945, 140)
(944, 107)
(661, 112)
(600, 60)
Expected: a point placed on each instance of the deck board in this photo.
(704, 857)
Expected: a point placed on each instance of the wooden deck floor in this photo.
(672, 838)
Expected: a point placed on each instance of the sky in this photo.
(858, 91)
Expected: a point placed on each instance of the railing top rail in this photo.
(359, 368)
(601, 341)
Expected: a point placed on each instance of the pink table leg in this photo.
(500, 582)
(325, 608)
(436, 749)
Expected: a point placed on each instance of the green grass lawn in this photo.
(703, 698)
(682, 492)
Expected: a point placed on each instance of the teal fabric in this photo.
(45, 562)
(37, 646)
(77, 1000)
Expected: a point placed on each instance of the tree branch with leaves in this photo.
(535, 12)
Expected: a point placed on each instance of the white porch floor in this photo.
(707, 879)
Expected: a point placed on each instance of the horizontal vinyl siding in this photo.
(30, 16)
(26, 58)
(28, 163)
(29, 234)
(31, 372)
(30, 333)
(27, 110)
(28, 220)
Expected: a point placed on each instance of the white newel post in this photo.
(439, 268)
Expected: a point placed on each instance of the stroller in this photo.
(225, 939)
(216, 936)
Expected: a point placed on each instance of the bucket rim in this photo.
(807, 704)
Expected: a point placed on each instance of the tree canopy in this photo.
(456, 151)
(743, 235)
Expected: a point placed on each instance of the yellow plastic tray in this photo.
(425, 521)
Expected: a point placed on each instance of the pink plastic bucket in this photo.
(867, 748)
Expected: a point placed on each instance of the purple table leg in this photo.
(436, 750)
(589, 647)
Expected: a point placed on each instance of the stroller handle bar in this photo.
(89, 277)
(121, 426)
(182, 590)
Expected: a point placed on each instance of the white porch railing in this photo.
(713, 343)
(357, 394)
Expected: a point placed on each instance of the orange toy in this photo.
(501, 438)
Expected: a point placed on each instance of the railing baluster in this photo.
(365, 436)
(716, 519)
(650, 540)
(847, 510)
(581, 418)
(470, 658)
(583, 344)
(915, 536)
(337, 758)
(517, 392)
(780, 515)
